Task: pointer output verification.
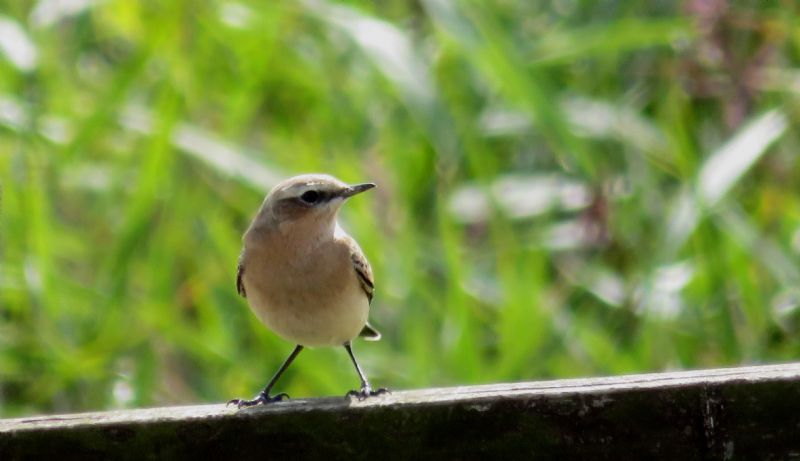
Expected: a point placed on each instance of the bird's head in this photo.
(308, 198)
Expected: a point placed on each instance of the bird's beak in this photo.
(356, 189)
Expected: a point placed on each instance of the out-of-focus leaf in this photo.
(519, 197)
(222, 156)
(48, 12)
(15, 44)
(388, 46)
(728, 163)
(599, 41)
(720, 172)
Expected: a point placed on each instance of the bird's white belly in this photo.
(309, 315)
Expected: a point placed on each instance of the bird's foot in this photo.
(366, 392)
(261, 398)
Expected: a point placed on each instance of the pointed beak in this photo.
(356, 189)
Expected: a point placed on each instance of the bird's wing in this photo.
(239, 273)
(363, 270)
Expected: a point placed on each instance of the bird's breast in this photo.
(311, 298)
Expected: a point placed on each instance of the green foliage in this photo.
(565, 189)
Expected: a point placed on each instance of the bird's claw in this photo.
(260, 399)
(367, 392)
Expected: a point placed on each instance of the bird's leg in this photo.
(366, 389)
(263, 396)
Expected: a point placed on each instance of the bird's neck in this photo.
(296, 236)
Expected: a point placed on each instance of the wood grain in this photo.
(734, 413)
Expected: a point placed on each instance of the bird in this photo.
(304, 277)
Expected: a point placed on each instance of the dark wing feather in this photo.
(370, 333)
(239, 272)
(364, 272)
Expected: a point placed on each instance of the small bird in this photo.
(303, 276)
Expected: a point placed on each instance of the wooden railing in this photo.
(735, 413)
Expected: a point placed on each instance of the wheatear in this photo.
(303, 276)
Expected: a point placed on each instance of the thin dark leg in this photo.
(283, 368)
(366, 389)
(263, 396)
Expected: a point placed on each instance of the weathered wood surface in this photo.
(736, 413)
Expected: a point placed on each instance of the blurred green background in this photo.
(566, 188)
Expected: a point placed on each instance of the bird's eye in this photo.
(310, 196)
